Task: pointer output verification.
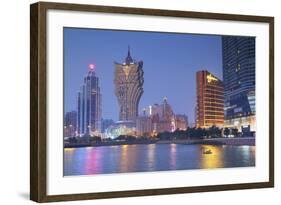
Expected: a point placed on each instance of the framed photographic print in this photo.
(134, 102)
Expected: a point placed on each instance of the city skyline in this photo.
(148, 86)
(176, 57)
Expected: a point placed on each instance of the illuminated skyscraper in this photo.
(210, 100)
(89, 105)
(128, 82)
(239, 81)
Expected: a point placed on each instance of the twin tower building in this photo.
(128, 80)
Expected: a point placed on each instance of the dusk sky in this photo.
(170, 62)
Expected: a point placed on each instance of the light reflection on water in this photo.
(173, 154)
(151, 157)
(154, 157)
(214, 160)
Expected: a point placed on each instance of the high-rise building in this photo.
(89, 105)
(128, 82)
(70, 124)
(239, 81)
(210, 100)
(181, 122)
(161, 116)
(144, 125)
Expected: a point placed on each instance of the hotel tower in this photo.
(210, 100)
(128, 80)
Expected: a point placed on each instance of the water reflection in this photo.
(93, 160)
(128, 158)
(151, 157)
(213, 160)
(154, 157)
(173, 156)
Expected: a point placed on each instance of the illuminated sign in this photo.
(211, 78)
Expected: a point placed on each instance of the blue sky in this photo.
(170, 62)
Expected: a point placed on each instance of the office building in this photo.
(181, 122)
(70, 124)
(89, 105)
(239, 82)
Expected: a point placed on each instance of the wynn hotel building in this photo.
(210, 100)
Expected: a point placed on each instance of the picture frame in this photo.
(39, 92)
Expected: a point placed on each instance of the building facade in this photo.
(70, 124)
(181, 122)
(210, 100)
(144, 125)
(157, 118)
(125, 128)
(128, 80)
(106, 123)
(239, 82)
(89, 105)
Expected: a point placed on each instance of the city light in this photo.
(91, 66)
(205, 118)
(211, 78)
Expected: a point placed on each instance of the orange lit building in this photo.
(210, 100)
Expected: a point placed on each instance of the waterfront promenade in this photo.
(250, 141)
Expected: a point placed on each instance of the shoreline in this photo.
(246, 141)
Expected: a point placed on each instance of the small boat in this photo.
(207, 151)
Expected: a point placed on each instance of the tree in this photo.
(226, 131)
(234, 131)
(214, 131)
(72, 140)
(95, 139)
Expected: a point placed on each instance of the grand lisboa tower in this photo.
(128, 82)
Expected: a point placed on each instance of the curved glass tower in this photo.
(239, 81)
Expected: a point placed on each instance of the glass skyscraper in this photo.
(89, 105)
(239, 81)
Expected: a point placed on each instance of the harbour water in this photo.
(154, 157)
